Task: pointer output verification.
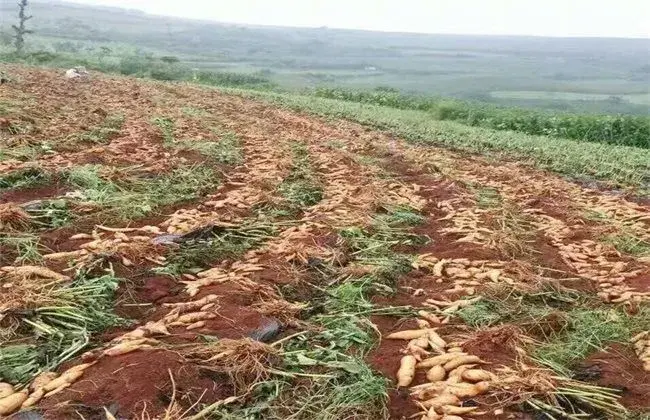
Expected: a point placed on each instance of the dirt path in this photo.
(292, 210)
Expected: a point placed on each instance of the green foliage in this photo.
(148, 66)
(62, 328)
(231, 79)
(166, 126)
(101, 134)
(226, 150)
(619, 130)
(25, 246)
(24, 178)
(570, 325)
(629, 244)
(18, 363)
(399, 216)
(137, 195)
(301, 189)
(354, 392)
(486, 197)
(50, 214)
(588, 331)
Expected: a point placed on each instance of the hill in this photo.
(576, 74)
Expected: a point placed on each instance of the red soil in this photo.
(619, 368)
(135, 383)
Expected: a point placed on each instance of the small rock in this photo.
(267, 332)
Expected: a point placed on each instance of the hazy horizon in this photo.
(553, 18)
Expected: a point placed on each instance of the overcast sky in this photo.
(616, 18)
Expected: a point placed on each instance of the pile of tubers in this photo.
(44, 385)
(452, 374)
(641, 344)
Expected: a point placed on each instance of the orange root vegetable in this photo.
(418, 352)
(41, 380)
(82, 367)
(432, 389)
(453, 410)
(422, 342)
(432, 415)
(131, 335)
(32, 270)
(439, 360)
(455, 376)
(195, 326)
(440, 401)
(193, 317)
(156, 328)
(80, 236)
(436, 339)
(208, 306)
(476, 375)
(428, 316)
(423, 323)
(408, 334)
(67, 377)
(11, 403)
(194, 305)
(124, 348)
(436, 373)
(33, 398)
(6, 389)
(437, 268)
(461, 360)
(65, 255)
(57, 390)
(406, 371)
(464, 390)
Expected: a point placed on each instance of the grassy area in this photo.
(136, 195)
(24, 178)
(301, 188)
(102, 134)
(619, 165)
(58, 324)
(620, 130)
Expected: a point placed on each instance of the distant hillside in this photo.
(582, 73)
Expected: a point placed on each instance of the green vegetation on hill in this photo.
(128, 63)
(583, 75)
(620, 130)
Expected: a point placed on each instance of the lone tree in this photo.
(21, 31)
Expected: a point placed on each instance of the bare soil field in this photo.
(172, 252)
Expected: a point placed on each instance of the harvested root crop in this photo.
(12, 402)
(436, 373)
(409, 334)
(6, 389)
(641, 344)
(406, 372)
